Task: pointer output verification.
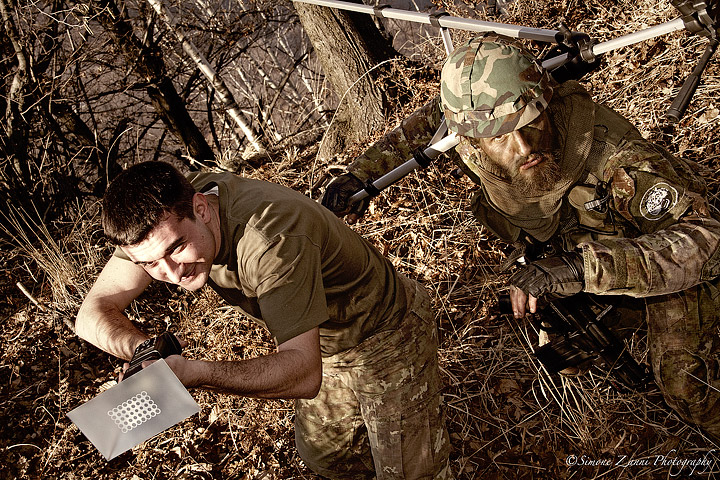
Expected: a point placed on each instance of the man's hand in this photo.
(177, 363)
(183, 370)
(337, 197)
(171, 360)
(558, 276)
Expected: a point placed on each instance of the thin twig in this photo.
(30, 297)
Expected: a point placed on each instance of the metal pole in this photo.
(539, 34)
(682, 100)
(447, 40)
(432, 152)
(637, 37)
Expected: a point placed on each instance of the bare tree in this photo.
(271, 71)
(258, 50)
(45, 145)
(15, 127)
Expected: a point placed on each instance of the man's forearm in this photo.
(108, 329)
(398, 145)
(101, 320)
(285, 374)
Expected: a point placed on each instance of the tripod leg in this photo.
(682, 100)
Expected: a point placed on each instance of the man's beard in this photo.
(537, 180)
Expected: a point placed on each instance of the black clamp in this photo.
(579, 49)
(421, 158)
(434, 18)
(699, 16)
(575, 42)
(371, 189)
(377, 10)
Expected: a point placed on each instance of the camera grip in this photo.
(162, 346)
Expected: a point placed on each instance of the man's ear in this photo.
(201, 207)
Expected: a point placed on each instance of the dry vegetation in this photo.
(507, 418)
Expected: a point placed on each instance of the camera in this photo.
(155, 348)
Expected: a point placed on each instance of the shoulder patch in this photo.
(658, 200)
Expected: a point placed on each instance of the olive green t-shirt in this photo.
(290, 264)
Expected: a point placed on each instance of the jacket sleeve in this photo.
(398, 145)
(667, 261)
(677, 244)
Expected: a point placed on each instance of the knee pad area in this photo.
(690, 384)
(684, 377)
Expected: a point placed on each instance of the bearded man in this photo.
(613, 213)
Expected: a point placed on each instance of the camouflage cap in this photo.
(492, 85)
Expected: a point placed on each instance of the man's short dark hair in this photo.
(141, 197)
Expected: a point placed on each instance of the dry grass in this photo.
(507, 417)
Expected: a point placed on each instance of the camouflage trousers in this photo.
(684, 338)
(378, 413)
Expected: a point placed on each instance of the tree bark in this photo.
(348, 46)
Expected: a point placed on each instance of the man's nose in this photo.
(172, 270)
(522, 146)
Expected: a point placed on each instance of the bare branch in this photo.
(217, 82)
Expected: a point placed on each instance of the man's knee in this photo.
(685, 353)
(337, 450)
(689, 383)
(331, 463)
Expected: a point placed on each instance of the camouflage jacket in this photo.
(639, 214)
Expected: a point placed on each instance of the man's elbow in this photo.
(311, 384)
(82, 323)
(86, 322)
(315, 387)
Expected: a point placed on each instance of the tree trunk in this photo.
(348, 45)
(149, 65)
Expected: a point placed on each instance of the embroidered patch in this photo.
(658, 200)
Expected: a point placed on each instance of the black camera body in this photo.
(155, 348)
